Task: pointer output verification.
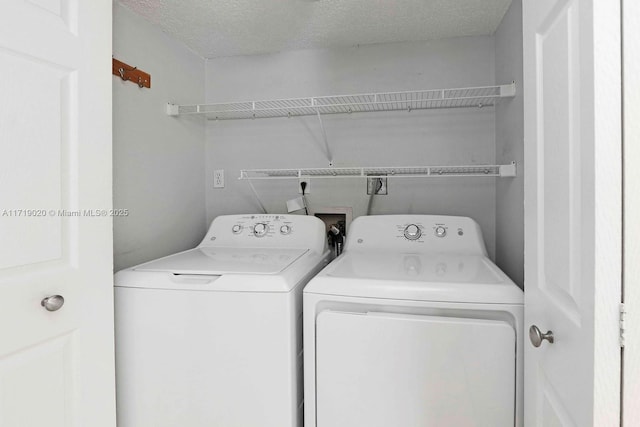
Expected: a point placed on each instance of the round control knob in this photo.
(440, 231)
(285, 229)
(412, 232)
(260, 229)
(236, 229)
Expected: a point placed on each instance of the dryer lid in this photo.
(418, 277)
(224, 260)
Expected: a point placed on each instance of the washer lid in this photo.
(221, 260)
(418, 277)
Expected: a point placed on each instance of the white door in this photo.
(56, 367)
(572, 211)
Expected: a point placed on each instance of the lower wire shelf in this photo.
(500, 171)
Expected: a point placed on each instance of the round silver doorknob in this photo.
(53, 303)
(536, 336)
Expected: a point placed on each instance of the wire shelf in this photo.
(345, 104)
(388, 172)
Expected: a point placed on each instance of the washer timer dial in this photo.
(412, 232)
(260, 229)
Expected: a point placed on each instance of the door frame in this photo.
(631, 211)
(607, 81)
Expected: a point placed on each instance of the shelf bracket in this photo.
(508, 90)
(508, 170)
(255, 193)
(173, 110)
(324, 138)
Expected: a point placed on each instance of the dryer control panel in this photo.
(419, 233)
(263, 230)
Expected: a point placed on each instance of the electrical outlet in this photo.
(218, 178)
(307, 189)
(377, 186)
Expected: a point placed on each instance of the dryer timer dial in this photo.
(412, 232)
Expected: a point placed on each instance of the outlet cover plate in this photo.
(218, 178)
(307, 189)
(377, 186)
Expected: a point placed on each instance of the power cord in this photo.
(303, 186)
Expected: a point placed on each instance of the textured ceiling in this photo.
(214, 28)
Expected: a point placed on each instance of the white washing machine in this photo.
(213, 336)
(413, 326)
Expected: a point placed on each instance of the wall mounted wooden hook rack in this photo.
(132, 74)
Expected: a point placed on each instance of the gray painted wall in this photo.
(158, 161)
(160, 175)
(441, 137)
(510, 147)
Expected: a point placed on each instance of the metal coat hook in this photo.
(122, 72)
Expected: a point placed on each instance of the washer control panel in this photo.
(261, 229)
(262, 226)
(266, 230)
(237, 228)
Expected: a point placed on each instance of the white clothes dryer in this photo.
(413, 326)
(213, 336)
